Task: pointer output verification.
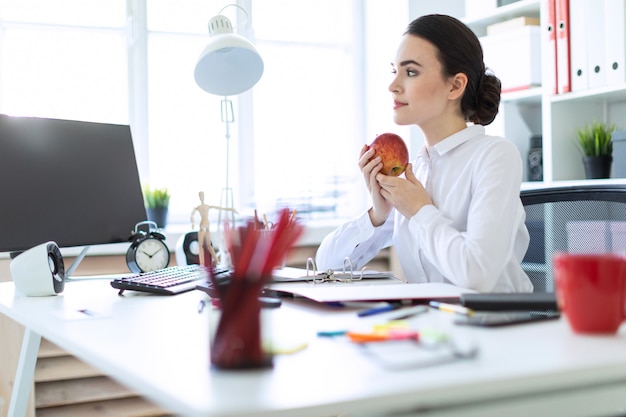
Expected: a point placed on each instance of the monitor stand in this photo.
(69, 271)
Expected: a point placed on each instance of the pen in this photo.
(331, 333)
(377, 310)
(357, 304)
(383, 336)
(452, 308)
(87, 312)
(405, 313)
(293, 215)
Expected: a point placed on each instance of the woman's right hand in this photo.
(370, 165)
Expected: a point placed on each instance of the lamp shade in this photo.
(229, 64)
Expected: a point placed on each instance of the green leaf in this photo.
(155, 198)
(595, 139)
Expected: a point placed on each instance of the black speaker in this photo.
(535, 159)
(188, 249)
(39, 271)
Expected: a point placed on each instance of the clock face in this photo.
(152, 254)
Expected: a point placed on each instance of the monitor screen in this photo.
(74, 183)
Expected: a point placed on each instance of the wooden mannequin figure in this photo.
(208, 257)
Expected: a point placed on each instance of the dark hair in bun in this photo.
(459, 50)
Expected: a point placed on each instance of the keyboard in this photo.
(167, 281)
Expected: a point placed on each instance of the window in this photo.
(297, 133)
(187, 146)
(307, 112)
(64, 59)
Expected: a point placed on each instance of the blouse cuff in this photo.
(427, 214)
(364, 226)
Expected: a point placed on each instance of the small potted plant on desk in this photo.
(597, 148)
(157, 202)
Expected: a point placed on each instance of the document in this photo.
(371, 290)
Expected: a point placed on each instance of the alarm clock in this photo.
(148, 250)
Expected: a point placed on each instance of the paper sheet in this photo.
(370, 289)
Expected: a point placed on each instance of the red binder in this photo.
(563, 78)
(551, 75)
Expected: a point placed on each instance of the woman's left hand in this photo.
(407, 195)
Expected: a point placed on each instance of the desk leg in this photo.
(24, 374)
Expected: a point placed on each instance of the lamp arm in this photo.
(237, 6)
(228, 117)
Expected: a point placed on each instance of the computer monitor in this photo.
(71, 182)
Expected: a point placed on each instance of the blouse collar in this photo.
(455, 140)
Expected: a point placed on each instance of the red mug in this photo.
(591, 291)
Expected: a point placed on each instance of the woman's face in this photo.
(420, 91)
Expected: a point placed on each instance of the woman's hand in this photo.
(407, 195)
(370, 165)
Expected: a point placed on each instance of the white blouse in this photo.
(473, 235)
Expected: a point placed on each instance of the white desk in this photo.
(158, 346)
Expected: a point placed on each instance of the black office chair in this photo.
(577, 219)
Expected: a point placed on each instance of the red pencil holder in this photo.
(237, 341)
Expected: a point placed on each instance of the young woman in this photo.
(455, 216)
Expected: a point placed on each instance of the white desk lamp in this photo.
(229, 65)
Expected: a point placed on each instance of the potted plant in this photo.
(157, 202)
(597, 148)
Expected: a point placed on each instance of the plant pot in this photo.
(158, 215)
(597, 166)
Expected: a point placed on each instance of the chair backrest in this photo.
(577, 219)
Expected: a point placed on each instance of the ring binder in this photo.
(347, 275)
(312, 275)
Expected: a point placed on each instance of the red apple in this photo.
(393, 151)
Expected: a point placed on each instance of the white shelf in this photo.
(609, 94)
(479, 24)
(530, 96)
(534, 111)
(531, 185)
